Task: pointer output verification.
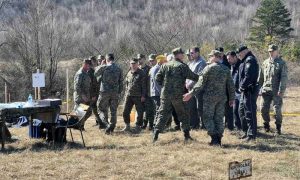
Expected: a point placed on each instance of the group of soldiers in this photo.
(198, 94)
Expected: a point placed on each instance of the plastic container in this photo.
(35, 130)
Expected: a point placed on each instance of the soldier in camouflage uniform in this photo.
(148, 104)
(135, 95)
(215, 81)
(273, 79)
(82, 86)
(172, 76)
(109, 78)
(95, 92)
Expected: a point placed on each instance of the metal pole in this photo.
(39, 89)
(5, 92)
(67, 96)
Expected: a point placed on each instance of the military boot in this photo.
(145, 123)
(102, 125)
(219, 139)
(155, 135)
(137, 129)
(267, 127)
(126, 128)
(110, 128)
(187, 135)
(278, 129)
(213, 140)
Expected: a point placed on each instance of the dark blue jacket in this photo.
(248, 74)
(235, 75)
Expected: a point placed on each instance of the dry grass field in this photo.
(124, 156)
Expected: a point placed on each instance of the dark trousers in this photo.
(229, 116)
(128, 105)
(247, 112)
(196, 111)
(236, 116)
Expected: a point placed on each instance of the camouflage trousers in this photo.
(149, 111)
(128, 105)
(165, 111)
(265, 107)
(213, 114)
(108, 100)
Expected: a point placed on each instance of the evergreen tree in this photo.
(271, 23)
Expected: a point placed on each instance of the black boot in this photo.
(278, 129)
(145, 123)
(219, 139)
(102, 125)
(267, 127)
(187, 135)
(155, 135)
(213, 140)
(110, 128)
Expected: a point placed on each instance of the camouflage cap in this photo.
(93, 58)
(140, 56)
(221, 49)
(152, 57)
(272, 47)
(177, 51)
(134, 61)
(161, 59)
(241, 48)
(187, 52)
(100, 57)
(215, 53)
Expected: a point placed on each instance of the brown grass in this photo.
(123, 156)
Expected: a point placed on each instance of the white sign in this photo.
(238, 170)
(38, 80)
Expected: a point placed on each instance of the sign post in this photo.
(38, 81)
(238, 170)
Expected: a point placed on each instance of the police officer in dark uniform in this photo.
(248, 86)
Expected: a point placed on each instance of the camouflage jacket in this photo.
(82, 86)
(136, 83)
(273, 76)
(94, 84)
(172, 77)
(215, 82)
(109, 78)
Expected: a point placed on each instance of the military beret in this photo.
(87, 61)
(152, 57)
(215, 53)
(221, 49)
(140, 56)
(134, 61)
(241, 48)
(110, 56)
(177, 51)
(272, 47)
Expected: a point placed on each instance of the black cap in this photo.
(110, 56)
(87, 61)
(231, 53)
(241, 48)
(221, 49)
